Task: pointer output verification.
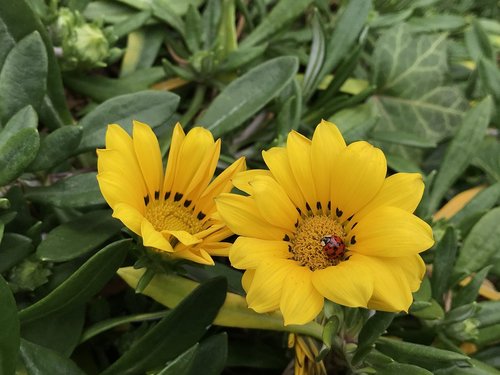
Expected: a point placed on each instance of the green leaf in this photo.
(59, 331)
(13, 248)
(371, 331)
(430, 310)
(101, 88)
(490, 78)
(246, 95)
(24, 118)
(283, 13)
(469, 293)
(424, 356)
(395, 368)
(130, 24)
(9, 334)
(17, 152)
(437, 22)
(355, 122)
(487, 314)
(76, 191)
(182, 364)
(444, 259)
(57, 147)
(240, 57)
(81, 285)
(78, 237)
(402, 138)
(152, 107)
(478, 43)
(23, 76)
(461, 149)
(142, 49)
(179, 330)
(42, 361)
(481, 244)
(482, 202)
(410, 72)
(316, 57)
(486, 158)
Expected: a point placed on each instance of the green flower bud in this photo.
(466, 330)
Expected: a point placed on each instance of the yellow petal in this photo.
(273, 203)
(196, 255)
(152, 238)
(129, 216)
(147, 151)
(115, 191)
(349, 283)
(357, 176)
(299, 153)
(118, 139)
(327, 142)
(184, 237)
(204, 174)
(246, 279)
(243, 218)
(265, 290)
(391, 291)
(300, 301)
(250, 252)
(220, 249)
(390, 232)
(173, 155)
(242, 180)
(402, 190)
(413, 268)
(278, 163)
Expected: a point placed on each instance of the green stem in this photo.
(195, 105)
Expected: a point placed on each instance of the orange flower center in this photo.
(319, 242)
(169, 215)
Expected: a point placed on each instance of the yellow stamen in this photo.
(169, 215)
(306, 244)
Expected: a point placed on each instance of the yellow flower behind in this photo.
(173, 211)
(325, 222)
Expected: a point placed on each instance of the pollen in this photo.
(170, 215)
(306, 243)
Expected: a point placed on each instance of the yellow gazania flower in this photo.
(173, 211)
(325, 222)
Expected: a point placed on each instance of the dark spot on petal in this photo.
(177, 197)
(187, 202)
(329, 205)
(299, 211)
(350, 217)
(308, 207)
(157, 195)
(290, 248)
(318, 205)
(146, 200)
(167, 195)
(356, 223)
(286, 238)
(338, 212)
(353, 240)
(201, 216)
(297, 223)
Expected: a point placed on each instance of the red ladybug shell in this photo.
(333, 246)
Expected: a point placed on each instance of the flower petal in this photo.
(350, 283)
(391, 291)
(327, 142)
(414, 269)
(115, 191)
(298, 149)
(147, 151)
(243, 179)
(152, 238)
(196, 255)
(300, 301)
(178, 136)
(184, 237)
(129, 216)
(246, 279)
(390, 232)
(278, 163)
(357, 176)
(243, 218)
(402, 190)
(265, 290)
(273, 203)
(250, 252)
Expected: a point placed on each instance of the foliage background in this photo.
(419, 79)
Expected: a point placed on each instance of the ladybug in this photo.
(333, 246)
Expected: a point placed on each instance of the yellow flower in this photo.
(173, 211)
(325, 222)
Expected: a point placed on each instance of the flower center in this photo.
(168, 215)
(319, 242)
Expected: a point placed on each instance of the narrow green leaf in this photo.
(211, 356)
(246, 95)
(9, 334)
(395, 368)
(444, 259)
(57, 147)
(143, 46)
(24, 118)
(480, 245)
(371, 331)
(162, 9)
(23, 77)
(355, 123)
(42, 361)
(488, 335)
(402, 138)
(316, 57)
(461, 149)
(182, 364)
(240, 57)
(151, 107)
(283, 13)
(76, 191)
(193, 32)
(482, 202)
(17, 152)
(424, 356)
(78, 237)
(179, 330)
(130, 24)
(488, 313)
(437, 22)
(469, 293)
(13, 248)
(490, 78)
(81, 285)
(477, 42)
(430, 310)
(486, 158)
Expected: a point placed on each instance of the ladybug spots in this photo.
(333, 246)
